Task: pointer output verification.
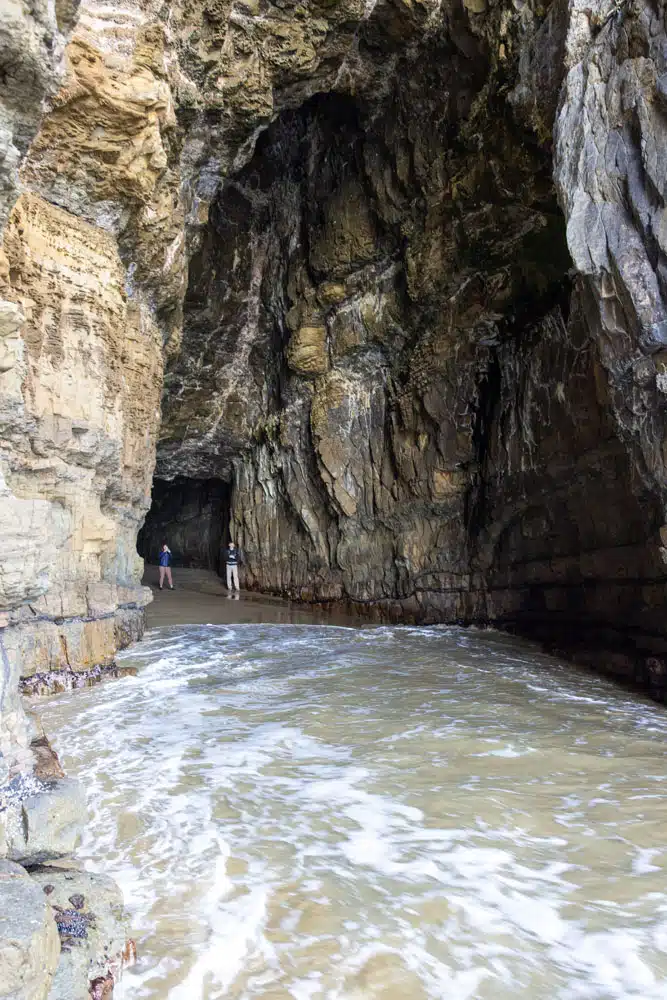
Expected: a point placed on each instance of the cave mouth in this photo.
(192, 517)
(403, 373)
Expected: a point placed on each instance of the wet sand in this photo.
(201, 598)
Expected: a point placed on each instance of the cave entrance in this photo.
(192, 517)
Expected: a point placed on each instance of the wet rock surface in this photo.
(88, 912)
(46, 824)
(63, 931)
(57, 681)
(29, 944)
(392, 276)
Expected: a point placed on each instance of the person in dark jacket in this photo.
(232, 560)
(165, 566)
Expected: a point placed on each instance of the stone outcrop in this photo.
(62, 934)
(79, 426)
(43, 822)
(610, 173)
(63, 931)
(379, 286)
(87, 910)
(29, 943)
(32, 46)
(412, 355)
(338, 226)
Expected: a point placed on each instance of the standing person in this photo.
(232, 560)
(165, 566)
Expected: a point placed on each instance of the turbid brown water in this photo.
(307, 810)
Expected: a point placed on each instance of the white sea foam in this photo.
(344, 814)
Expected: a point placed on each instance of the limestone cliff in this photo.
(381, 285)
(339, 223)
(431, 375)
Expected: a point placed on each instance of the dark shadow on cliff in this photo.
(384, 350)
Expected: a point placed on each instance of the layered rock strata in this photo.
(338, 224)
(402, 267)
(432, 377)
(80, 381)
(78, 431)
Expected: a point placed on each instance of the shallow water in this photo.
(310, 811)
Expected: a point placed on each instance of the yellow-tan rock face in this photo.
(307, 350)
(143, 117)
(79, 443)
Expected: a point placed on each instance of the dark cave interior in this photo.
(368, 306)
(192, 517)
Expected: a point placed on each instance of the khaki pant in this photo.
(232, 577)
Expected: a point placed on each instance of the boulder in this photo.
(29, 942)
(44, 819)
(88, 913)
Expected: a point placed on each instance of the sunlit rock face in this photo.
(431, 374)
(377, 287)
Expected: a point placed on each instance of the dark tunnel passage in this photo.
(192, 517)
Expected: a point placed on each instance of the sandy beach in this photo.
(201, 598)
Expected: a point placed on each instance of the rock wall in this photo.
(121, 162)
(425, 408)
(78, 429)
(402, 267)
(610, 174)
(80, 383)
(338, 225)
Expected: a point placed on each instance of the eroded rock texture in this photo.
(422, 404)
(432, 376)
(78, 429)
